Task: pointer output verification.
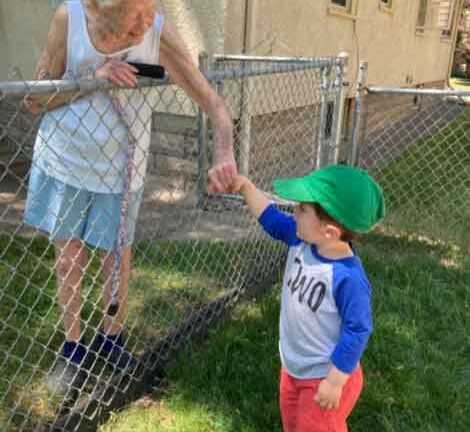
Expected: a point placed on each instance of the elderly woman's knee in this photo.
(71, 261)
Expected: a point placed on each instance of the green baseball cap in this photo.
(348, 194)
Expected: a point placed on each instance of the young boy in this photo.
(325, 317)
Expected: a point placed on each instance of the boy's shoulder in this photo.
(351, 271)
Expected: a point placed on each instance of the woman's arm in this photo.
(177, 60)
(277, 224)
(51, 64)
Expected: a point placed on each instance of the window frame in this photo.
(446, 31)
(349, 11)
(386, 5)
(346, 7)
(421, 26)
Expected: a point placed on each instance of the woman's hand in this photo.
(118, 72)
(221, 177)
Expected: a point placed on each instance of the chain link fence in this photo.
(193, 254)
(416, 142)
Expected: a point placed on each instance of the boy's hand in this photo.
(237, 184)
(256, 200)
(328, 395)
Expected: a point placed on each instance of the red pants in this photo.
(300, 413)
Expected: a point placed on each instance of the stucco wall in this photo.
(388, 41)
(200, 22)
(24, 28)
(25, 31)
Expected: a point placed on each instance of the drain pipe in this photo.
(453, 44)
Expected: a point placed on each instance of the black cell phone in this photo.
(149, 70)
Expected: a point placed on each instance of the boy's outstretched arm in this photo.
(277, 224)
(257, 201)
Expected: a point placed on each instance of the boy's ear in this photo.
(332, 232)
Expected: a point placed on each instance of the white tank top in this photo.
(84, 144)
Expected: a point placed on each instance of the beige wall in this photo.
(200, 22)
(23, 28)
(388, 41)
(296, 27)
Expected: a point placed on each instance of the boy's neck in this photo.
(335, 250)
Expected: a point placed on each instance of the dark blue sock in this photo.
(74, 351)
(111, 341)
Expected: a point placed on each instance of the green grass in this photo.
(169, 280)
(460, 83)
(427, 188)
(416, 364)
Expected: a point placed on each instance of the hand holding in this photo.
(221, 177)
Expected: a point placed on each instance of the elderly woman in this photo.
(77, 178)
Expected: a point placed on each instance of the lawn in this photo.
(416, 364)
(460, 83)
(427, 188)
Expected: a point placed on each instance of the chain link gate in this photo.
(416, 142)
(193, 255)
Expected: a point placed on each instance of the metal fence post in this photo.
(202, 141)
(338, 112)
(358, 115)
(217, 65)
(245, 124)
(322, 145)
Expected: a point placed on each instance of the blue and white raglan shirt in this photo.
(325, 307)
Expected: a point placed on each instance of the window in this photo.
(342, 3)
(445, 16)
(343, 8)
(422, 12)
(385, 5)
(330, 110)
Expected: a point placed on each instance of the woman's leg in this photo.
(71, 261)
(68, 377)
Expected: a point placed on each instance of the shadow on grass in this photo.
(416, 364)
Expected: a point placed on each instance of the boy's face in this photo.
(310, 228)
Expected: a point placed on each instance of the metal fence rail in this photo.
(193, 255)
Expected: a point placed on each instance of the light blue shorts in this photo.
(66, 212)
